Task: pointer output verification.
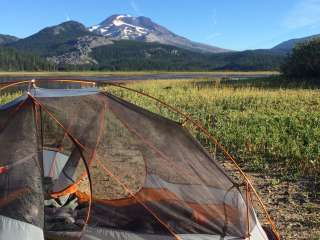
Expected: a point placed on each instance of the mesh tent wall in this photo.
(134, 174)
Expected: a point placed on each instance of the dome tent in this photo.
(85, 164)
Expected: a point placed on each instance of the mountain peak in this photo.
(53, 40)
(121, 26)
(69, 26)
(126, 27)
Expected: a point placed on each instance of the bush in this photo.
(304, 62)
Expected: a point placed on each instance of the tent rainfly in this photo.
(85, 164)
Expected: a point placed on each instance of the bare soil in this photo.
(294, 206)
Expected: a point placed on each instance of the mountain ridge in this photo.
(126, 27)
(70, 45)
(287, 46)
(5, 39)
(73, 44)
(52, 40)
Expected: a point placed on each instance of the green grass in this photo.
(6, 97)
(275, 130)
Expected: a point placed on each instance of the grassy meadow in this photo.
(267, 129)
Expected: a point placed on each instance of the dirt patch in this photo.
(294, 206)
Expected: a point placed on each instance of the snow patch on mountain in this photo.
(119, 28)
(91, 29)
(126, 27)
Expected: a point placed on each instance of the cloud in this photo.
(67, 17)
(214, 17)
(213, 22)
(305, 13)
(135, 7)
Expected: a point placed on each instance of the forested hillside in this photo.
(70, 46)
(11, 60)
(132, 55)
(52, 40)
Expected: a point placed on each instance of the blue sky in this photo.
(232, 24)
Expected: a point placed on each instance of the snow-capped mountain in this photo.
(126, 27)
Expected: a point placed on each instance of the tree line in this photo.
(12, 60)
(303, 64)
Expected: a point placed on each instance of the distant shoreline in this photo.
(130, 76)
(132, 73)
